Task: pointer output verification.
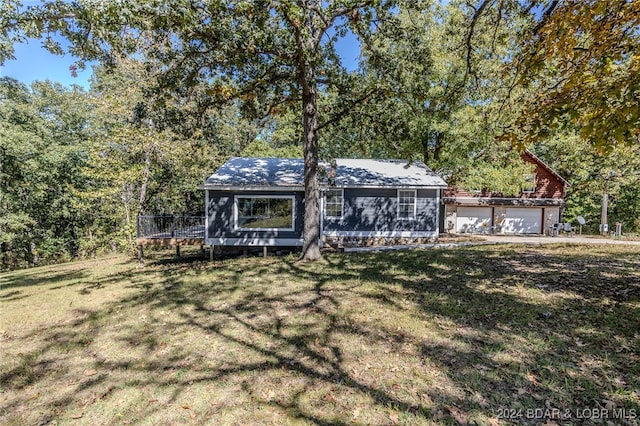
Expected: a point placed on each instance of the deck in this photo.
(170, 230)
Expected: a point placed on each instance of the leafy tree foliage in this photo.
(582, 59)
(428, 105)
(183, 85)
(592, 174)
(43, 134)
(264, 53)
(149, 159)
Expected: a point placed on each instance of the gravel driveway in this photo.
(539, 239)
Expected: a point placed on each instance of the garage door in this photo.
(470, 219)
(522, 221)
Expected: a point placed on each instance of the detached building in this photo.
(533, 211)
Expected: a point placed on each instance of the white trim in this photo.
(415, 204)
(438, 212)
(206, 213)
(251, 241)
(301, 188)
(293, 212)
(324, 203)
(392, 186)
(257, 188)
(391, 234)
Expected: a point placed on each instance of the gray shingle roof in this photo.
(289, 172)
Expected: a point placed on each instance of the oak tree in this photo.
(265, 53)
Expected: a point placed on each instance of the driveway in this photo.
(539, 239)
(497, 239)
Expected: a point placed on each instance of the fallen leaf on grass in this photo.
(480, 400)
(356, 413)
(329, 398)
(532, 378)
(459, 416)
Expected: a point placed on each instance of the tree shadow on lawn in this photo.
(27, 278)
(404, 337)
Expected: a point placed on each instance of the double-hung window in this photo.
(406, 204)
(333, 204)
(530, 186)
(265, 212)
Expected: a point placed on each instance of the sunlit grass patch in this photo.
(416, 337)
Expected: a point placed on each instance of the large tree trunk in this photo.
(311, 231)
(311, 235)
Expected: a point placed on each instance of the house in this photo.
(534, 211)
(260, 201)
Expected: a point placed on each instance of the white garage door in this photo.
(470, 219)
(522, 221)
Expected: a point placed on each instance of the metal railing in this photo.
(170, 226)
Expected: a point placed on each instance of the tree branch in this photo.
(474, 20)
(337, 117)
(545, 16)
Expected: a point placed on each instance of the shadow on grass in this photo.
(29, 278)
(374, 338)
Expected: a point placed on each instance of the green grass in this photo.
(416, 337)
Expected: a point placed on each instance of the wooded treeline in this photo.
(183, 85)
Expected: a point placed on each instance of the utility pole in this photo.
(603, 218)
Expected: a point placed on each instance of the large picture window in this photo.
(406, 204)
(333, 202)
(265, 213)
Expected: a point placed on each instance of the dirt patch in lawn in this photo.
(480, 335)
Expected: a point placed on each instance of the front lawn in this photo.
(480, 335)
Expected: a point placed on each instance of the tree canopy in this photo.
(462, 85)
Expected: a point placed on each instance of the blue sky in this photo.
(34, 62)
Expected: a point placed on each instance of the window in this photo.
(333, 202)
(530, 186)
(406, 204)
(265, 213)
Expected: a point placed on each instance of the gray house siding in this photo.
(221, 228)
(368, 210)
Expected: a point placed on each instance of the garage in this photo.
(521, 220)
(471, 219)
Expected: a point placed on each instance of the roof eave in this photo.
(301, 187)
(252, 187)
(548, 168)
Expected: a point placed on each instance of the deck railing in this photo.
(170, 226)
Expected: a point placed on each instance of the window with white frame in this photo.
(530, 186)
(265, 213)
(334, 200)
(406, 204)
